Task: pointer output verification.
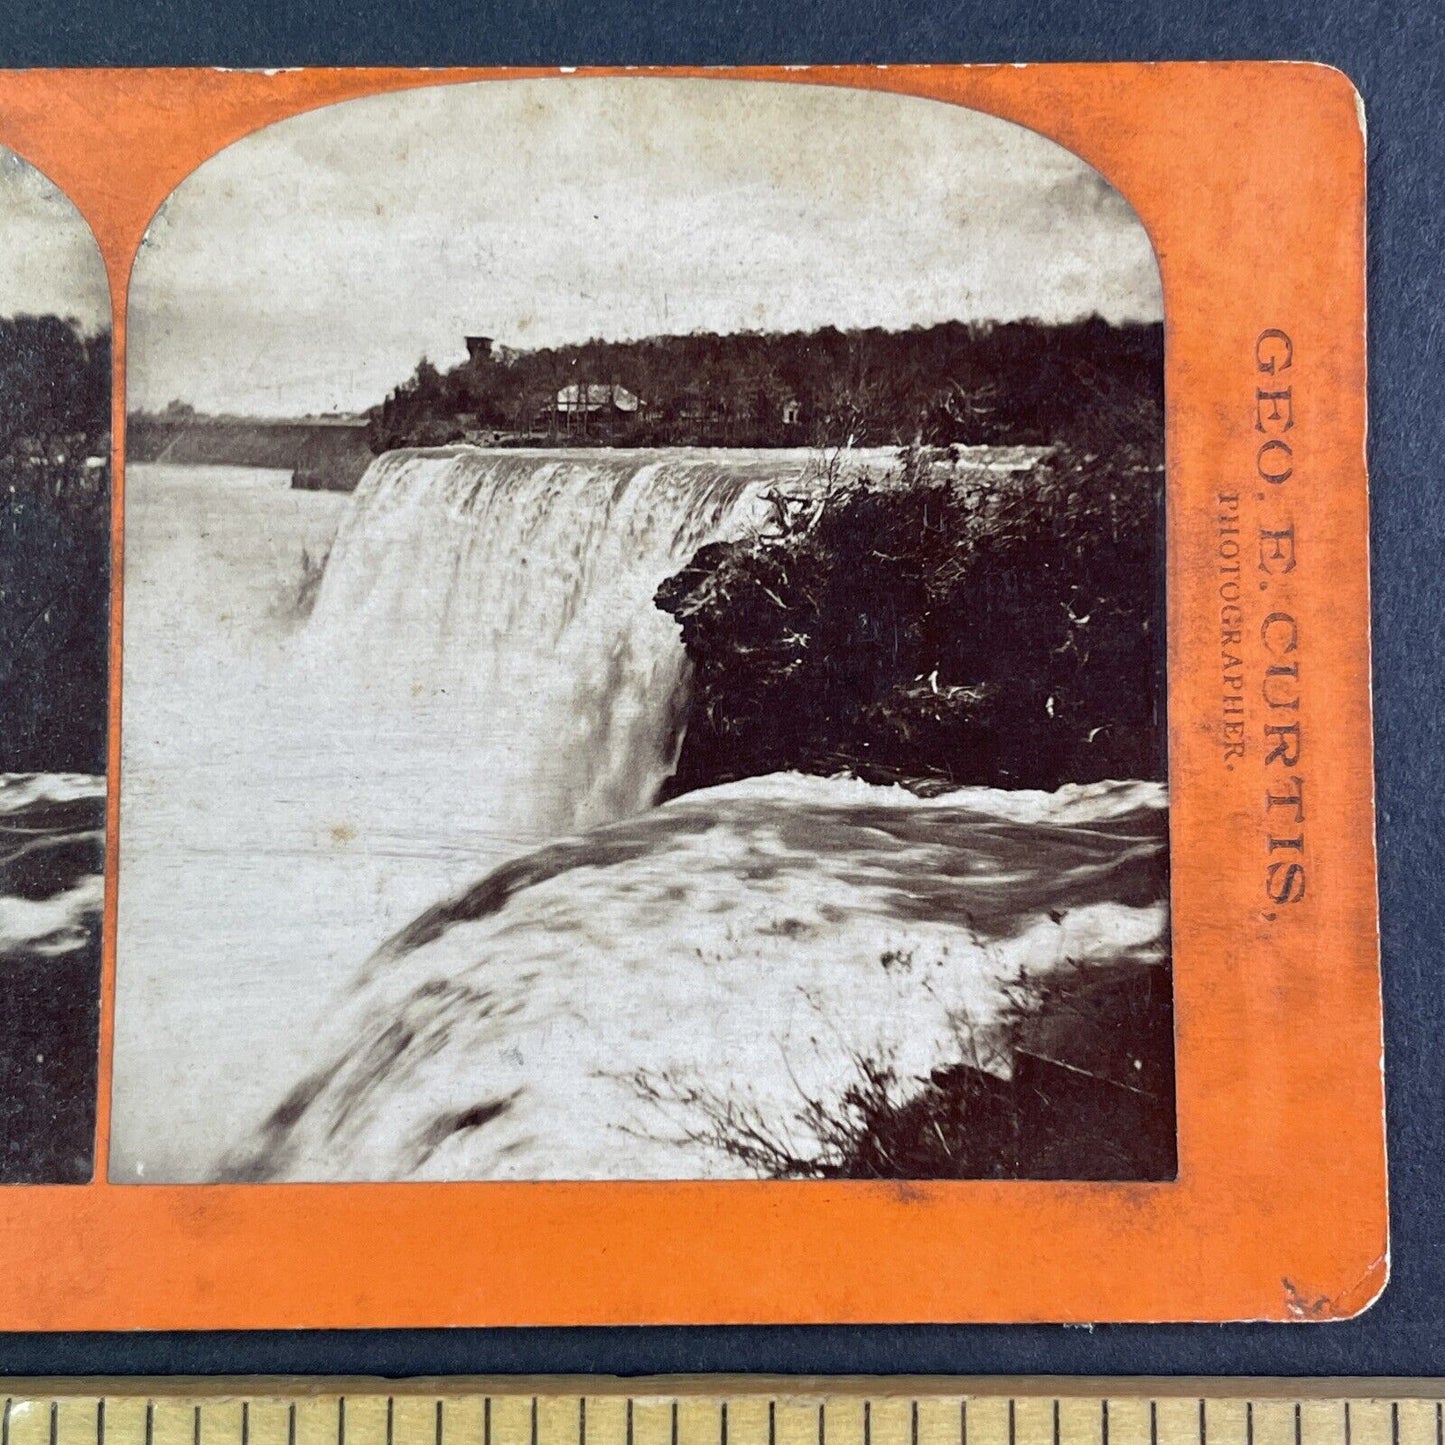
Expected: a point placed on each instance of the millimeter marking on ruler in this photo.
(732, 1412)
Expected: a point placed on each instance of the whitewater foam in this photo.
(52, 840)
(588, 1010)
(482, 669)
(509, 595)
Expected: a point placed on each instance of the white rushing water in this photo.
(596, 1008)
(483, 669)
(508, 597)
(482, 674)
(52, 857)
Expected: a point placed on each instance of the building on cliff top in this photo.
(596, 409)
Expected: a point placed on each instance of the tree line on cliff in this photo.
(55, 400)
(999, 383)
(938, 624)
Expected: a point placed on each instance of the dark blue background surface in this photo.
(1396, 56)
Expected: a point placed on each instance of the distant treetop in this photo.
(998, 383)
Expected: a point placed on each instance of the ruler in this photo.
(723, 1411)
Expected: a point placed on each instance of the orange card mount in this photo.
(731, 697)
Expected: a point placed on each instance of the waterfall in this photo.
(508, 596)
(482, 671)
(458, 751)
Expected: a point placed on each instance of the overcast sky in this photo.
(309, 267)
(49, 262)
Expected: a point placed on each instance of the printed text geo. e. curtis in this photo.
(1276, 689)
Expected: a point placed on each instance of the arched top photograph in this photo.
(644, 648)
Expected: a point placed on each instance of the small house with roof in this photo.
(596, 409)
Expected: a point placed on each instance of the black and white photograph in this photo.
(643, 651)
(55, 526)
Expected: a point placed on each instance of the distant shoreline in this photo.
(327, 454)
(331, 454)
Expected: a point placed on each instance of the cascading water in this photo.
(482, 670)
(609, 1006)
(458, 751)
(508, 595)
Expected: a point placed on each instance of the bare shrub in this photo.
(977, 1115)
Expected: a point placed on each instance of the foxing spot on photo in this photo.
(644, 649)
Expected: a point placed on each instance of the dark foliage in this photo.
(1087, 1093)
(49, 998)
(54, 381)
(54, 545)
(1090, 1095)
(1018, 382)
(1000, 630)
